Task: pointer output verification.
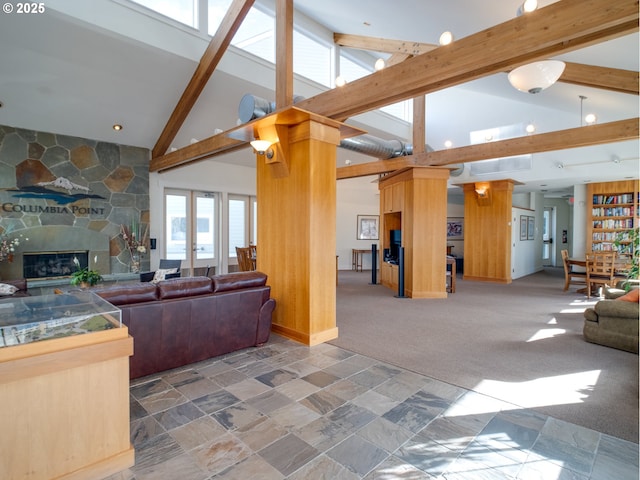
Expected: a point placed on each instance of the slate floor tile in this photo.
(178, 415)
(215, 401)
(288, 454)
(320, 379)
(288, 411)
(367, 458)
(236, 416)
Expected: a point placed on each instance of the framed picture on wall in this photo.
(531, 228)
(523, 227)
(455, 228)
(368, 227)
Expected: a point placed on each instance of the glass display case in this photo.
(31, 319)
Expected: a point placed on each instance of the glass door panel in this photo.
(191, 230)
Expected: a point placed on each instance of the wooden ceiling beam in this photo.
(561, 27)
(208, 63)
(284, 53)
(613, 79)
(618, 131)
(382, 45)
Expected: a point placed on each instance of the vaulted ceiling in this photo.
(71, 72)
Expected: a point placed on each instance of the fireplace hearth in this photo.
(43, 265)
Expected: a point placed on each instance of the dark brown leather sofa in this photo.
(21, 285)
(185, 320)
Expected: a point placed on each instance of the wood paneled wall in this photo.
(487, 232)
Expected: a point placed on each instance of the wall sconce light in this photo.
(262, 147)
(482, 189)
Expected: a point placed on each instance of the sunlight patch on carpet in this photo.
(546, 333)
(556, 390)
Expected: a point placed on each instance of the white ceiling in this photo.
(82, 66)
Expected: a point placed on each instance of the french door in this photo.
(191, 229)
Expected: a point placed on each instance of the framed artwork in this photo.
(531, 228)
(455, 228)
(523, 227)
(368, 227)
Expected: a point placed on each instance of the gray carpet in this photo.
(521, 343)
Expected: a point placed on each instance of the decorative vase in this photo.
(135, 263)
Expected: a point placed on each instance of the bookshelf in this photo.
(613, 209)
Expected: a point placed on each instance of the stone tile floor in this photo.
(287, 411)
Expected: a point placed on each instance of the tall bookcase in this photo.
(613, 209)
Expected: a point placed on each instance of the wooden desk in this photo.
(356, 258)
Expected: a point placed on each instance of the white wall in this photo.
(525, 254)
(355, 196)
(205, 176)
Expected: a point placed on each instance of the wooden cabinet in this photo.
(612, 210)
(393, 198)
(64, 388)
(389, 275)
(414, 201)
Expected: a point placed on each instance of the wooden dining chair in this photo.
(600, 269)
(245, 264)
(571, 276)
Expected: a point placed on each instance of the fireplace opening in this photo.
(41, 265)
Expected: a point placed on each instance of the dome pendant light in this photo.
(537, 76)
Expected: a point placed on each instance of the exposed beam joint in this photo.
(208, 63)
(382, 45)
(558, 28)
(611, 132)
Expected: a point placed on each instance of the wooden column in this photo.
(421, 215)
(487, 231)
(296, 192)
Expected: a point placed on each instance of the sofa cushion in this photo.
(631, 296)
(238, 280)
(184, 287)
(6, 289)
(129, 293)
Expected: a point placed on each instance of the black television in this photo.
(395, 242)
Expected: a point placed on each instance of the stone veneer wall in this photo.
(117, 173)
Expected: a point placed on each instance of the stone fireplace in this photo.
(47, 265)
(50, 250)
(69, 194)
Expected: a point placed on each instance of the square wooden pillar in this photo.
(414, 201)
(296, 192)
(487, 230)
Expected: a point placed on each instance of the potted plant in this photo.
(85, 277)
(630, 241)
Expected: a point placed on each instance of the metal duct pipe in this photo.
(376, 147)
(252, 107)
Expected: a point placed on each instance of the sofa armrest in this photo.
(264, 322)
(617, 308)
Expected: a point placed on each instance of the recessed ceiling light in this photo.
(448, 143)
(446, 38)
(117, 127)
